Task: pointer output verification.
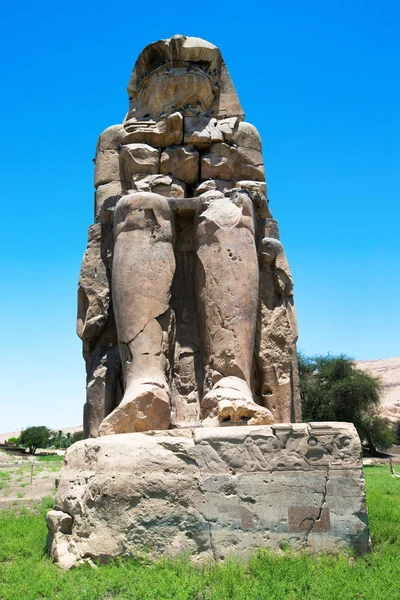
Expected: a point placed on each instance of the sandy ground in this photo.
(24, 479)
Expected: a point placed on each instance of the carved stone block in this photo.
(166, 132)
(106, 191)
(232, 163)
(181, 162)
(111, 138)
(107, 167)
(203, 131)
(211, 493)
(165, 185)
(139, 158)
(245, 135)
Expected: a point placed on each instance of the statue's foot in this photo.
(231, 402)
(145, 406)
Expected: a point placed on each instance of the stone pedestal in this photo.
(211, 493)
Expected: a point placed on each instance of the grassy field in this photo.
(27, 477)
(26, 572)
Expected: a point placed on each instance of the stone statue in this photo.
(185, 303)
(187, 321)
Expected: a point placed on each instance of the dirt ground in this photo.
(25, 479)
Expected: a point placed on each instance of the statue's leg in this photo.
(143, 268)
(227, 281)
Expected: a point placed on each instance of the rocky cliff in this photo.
(389, 372)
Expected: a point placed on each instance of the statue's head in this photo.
(184, 74)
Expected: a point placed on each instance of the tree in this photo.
(76, 437)
(35, 437)
(333, 389)
(13, 440)
(61, 440)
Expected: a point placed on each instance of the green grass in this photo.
(4, 479)
(27, 573)
(50, 458)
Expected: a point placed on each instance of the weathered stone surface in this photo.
(245, 135)
(276, 334)
(231, 401)
(182, 162)
(211, 493)
(188, 49)
(59, 521)
(96, 327)
(202, 131)
(144, 406)
(228, 128)
(93, 290)
(104, 382)
(228, 302)
(181, 87)
(225, 311)
(225, 186)
(107, 167)
(165, 185)
(143, 237)
(213, 185)
(182, 73)
(199, 329)
(165, 132)
(139, 158)
(111, 138)
(105, 192)
(257, 190)
(232, 163)
(269, 229)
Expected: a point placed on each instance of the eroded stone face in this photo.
(186, 298)
(177, 87)
(211, 493)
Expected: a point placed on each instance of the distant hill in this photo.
(389, 372)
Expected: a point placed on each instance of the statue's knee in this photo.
(226, 213)
(142, 210)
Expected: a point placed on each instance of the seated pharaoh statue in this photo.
(185, 303)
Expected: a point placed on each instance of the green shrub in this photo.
(35, 437)
(333, 389)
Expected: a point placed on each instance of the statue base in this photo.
(211, 493)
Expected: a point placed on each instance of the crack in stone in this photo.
(201, 491)
(143, 328)
(326, 447)
(211, 542)
(315, 520)
(179, 453)
(135, 336)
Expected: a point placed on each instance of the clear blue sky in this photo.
(320, 80)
